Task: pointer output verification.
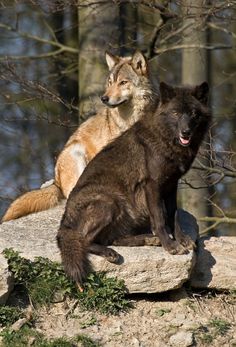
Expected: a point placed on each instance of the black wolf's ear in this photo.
(111, 60)
(167, 92)
(139, 63)
(201, 93)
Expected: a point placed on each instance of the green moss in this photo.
(162, 311)
(44, 280)
(9, 315)
(215, 327)
(104, 294)
(220, 326)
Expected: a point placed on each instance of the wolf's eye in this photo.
(109, 82)
(122, 83)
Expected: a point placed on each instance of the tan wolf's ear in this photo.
(139, 63)
(201, 93)
(167, 92)
(111, 60)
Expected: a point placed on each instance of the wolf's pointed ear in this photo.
(167, 92)
(201, 93)
(111, 60)
(139, 63)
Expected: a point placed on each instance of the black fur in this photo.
(132, 183)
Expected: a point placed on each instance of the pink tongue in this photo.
(184, 141)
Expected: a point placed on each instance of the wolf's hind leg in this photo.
(138, 240)
(181, 237)
(69, 167)
(76, 243)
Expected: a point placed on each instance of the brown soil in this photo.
(175, 319)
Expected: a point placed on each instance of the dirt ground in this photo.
(178, 318)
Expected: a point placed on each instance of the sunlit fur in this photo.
(95, 133)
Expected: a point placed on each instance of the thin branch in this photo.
(191, 46)
(40, 39)
(32, 87)
(154, 38)
(32, 57)
(227, 173)
(214, 26)
(216, 221)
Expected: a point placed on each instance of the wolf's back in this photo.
(34, 201)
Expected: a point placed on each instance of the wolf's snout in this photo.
(186, 132)
(105, 99)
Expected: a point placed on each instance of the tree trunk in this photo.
(98, 32)
(128, 18)
(194, 71)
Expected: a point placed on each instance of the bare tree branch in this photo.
(176, 47)
(53, 43)
(216, 221)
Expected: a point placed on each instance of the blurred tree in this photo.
(102, 26)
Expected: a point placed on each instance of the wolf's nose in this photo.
(104, 99)
(186, 132)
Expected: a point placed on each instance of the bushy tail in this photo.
(34, 201)
(74, 254)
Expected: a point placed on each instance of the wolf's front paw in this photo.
(187, 242)
(174, 247)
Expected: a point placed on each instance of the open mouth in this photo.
(184, 141)
(117, 104)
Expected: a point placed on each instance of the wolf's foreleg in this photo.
(180, 236)
(158, 218)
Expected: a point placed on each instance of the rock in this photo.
(135, 342)
(232, 343)
(181, 338)
(6, 280)
(144, 269)
(216, 263)
(148, 269)
(18, 324)
(178, 319)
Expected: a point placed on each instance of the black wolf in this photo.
(132, 183)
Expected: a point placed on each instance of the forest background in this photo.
(53, 70)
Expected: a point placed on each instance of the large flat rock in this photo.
(6, 280)
(216, 263)
(144, 269)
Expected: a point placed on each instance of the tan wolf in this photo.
(129, 92)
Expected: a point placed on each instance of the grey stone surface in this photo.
(181, 338)
(144, 269)
(6, 280)
(216, 263)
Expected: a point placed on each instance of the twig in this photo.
(216, 221)
(227, 173)
(57, 44)
(191, 46)
(214, 26)
(73, 306)
(32, 57)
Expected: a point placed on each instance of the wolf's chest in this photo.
(178, 163)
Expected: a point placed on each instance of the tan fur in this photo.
(136, 94)
(36, 200)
